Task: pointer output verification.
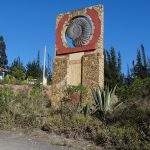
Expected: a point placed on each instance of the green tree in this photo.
(129, 78)
(145, 62)
(143, 55)
(3, 56)
(39, 72)
(112, 64)
(138, 66)
(18, 70)
(34, 69)
(107, 71)
(149, 67)
(119, 63)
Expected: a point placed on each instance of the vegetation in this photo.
(20, 73)
(21, 109)
(140, 68)
(112, 64)
(34, 69)
(3, 56)
(17, 69)
(103, 100)
(120, 123)
(126, 128)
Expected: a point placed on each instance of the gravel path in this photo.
(11, 141)
(39, 140)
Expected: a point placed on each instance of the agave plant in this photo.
(103, 99)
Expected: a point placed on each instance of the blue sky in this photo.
(28, 25)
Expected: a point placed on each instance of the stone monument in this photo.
(79, 55)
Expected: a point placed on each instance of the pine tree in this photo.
(3, 56)
(38, 59)
(34, 69)
(113, 63)
(120, 75)
(108, 59)
(145, 63)
(119, 62)
(107, 71)
(148, 66)
(133, 70)
(138, 67)
(129, 76)
(39, 71)
(143, 55)
(112, 67)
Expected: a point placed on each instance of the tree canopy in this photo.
(3, 56)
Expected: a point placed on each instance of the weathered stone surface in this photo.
(92, 73)
(59, 78)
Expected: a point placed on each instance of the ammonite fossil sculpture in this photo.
(79, 31)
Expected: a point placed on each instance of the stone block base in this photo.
(75, 69)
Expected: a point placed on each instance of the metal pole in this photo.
(44, 65)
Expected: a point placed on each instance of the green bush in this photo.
(21, 109)
(13, 80)
(139, 89)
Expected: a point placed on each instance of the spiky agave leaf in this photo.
(103, 98)
(94, 96)
(107, 99)
(99, 98)
(117, 105)
(112, 91)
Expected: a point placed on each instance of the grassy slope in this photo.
(126, 128)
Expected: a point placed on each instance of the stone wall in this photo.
(92, 73)
(59, 79)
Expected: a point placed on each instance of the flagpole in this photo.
(44, 68)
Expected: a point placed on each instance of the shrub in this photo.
(21, 109)
(139, 89)
(74, 94)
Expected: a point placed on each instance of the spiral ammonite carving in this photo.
(79, 31)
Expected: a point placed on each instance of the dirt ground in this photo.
(39, 140)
